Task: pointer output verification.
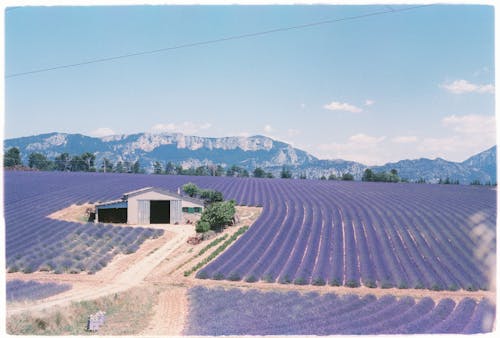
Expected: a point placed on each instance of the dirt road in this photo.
(91, 288)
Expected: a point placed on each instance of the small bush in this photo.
(471, 287)
(300, 281)
(218, 276)
(452, 287)
(386, 285)
(436, 287)
(402, 285)
(251, 279)
(419, 286)
(370, 284)
(234, 276)
(318, 281)
(352, 284)
(202, 274)
(335, 282)
(285, 280)
(268, 278)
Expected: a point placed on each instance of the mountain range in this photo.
(248, 152)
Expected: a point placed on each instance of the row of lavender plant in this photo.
(292, 313)
(385, 235)
(18, 290)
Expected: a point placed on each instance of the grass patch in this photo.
(217, 251)
(127, 313)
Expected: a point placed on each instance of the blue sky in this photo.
(408, 84)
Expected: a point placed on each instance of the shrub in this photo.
(234, 276)
(436, 287)
(452, 287)
(251, 279)
(352, 283)
(370, 284)
(419, 286)
(335, 282)
(202, 275)
(318, 281)
(268, 278)
(285, 280)
(471, 287)
(218, 276)
(402, 285)
(300, 281)
(386, 285)
(202, 226)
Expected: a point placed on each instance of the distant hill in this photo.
(248, 152)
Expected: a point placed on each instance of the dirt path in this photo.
(97, 287)
(170, 313)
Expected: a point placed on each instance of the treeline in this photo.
(66, 162)
(383, 176)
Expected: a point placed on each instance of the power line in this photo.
(207, 42)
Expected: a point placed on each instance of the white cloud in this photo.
(243, 134)
(293, 132)
(473, 134)
(404, 139)
(302, 106)
(369, 102)
(268, 128)
(187, 127)
(471, 124)
(101, 132)
(359, 147)
(342, 107)
(463, 86)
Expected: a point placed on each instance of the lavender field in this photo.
(291, 313)
(318, 232)
(18, 290)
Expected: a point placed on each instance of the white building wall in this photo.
(133, 204)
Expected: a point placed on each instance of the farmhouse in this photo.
(147, 206)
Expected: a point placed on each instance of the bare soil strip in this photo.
(170, 313)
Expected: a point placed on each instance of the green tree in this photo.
(259, 173)
(106, 166)
(219, 214)
(347, 177)
(12, 157)
(157, 169)
(136, 167)
(332, 177)
(191, 189)
(211, 196)
(77, 164)
(39, 161)
(202, 226)
(63, 162)
(88, 161)
(269, 175)
(119, 168)
(323, 177)
(285, 172)
(368, 176)
(170, 169)
(303, 176)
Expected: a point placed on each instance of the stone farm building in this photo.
(147, 206)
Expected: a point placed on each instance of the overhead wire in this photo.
(207, 42)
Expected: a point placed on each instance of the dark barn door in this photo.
(113, 215)
(160, 212)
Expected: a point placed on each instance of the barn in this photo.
(147, 206)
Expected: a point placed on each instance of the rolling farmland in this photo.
(331, 233)
(319, 232)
